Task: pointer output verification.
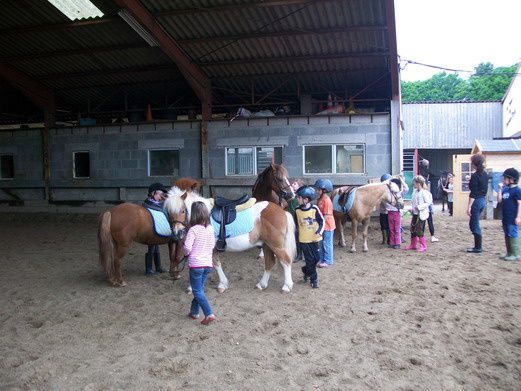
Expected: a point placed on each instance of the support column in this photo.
(46, 155)
(205, 163)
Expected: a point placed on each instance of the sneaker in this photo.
(314, 285)
(396, 247)
(192, 316)
(322, 264)
(434, 239)
(150, 273)
(209, 319)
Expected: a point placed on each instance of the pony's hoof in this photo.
(188, 291)
(260, 287)
(366, 250)
(122, 283)
(342, 244)
(221, 289)
(286, 288)
(353, 250)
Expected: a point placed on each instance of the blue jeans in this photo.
(475, 213)
(198, 276)
(510, 230)
(327, 247)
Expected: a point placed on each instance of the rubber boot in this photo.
(305, 270)
(414, 242)
(157, 263)
(509, 250)
(423, 244)
(148, 264)
(477, 245)
(514, 248)
(385, 236)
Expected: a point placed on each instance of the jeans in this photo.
(450, 205)
(431, 224)
(327, 247)
(395, 222)
(311, 253)
(198, 276)
(475, 212)
(510, 230)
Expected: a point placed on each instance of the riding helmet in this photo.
(324, 184)
(156, 187)
(385, 177)
(511, 173)
(307, 192)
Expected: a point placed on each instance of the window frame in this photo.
(254, 147)
(162, 149)
(12, 158)
(333, 148)
(74, 165)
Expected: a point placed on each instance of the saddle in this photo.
(344, 202)
(224, 212)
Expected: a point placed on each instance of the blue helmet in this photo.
(385, 177)
(324, 184)
(307, 191)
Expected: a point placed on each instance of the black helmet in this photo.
(307, 192)
(512, 173)
(156, 187)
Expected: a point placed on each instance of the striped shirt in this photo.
(198, 246)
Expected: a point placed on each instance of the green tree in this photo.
(486, 83)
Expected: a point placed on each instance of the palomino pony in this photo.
(273, 185)
(273, 228)
(364, 201)
(127, 223)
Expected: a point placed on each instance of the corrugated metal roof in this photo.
(450, 125)
(510, 145)
(307, 38)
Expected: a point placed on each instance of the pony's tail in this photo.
(290, 244)
(106, 245)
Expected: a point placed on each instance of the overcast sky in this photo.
(457, 34)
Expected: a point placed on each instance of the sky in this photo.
(457, 34)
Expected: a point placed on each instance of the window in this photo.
(81, 164)
(334, 159)
(163, 162)
(466, 172)
(251, 160)
(6, 167)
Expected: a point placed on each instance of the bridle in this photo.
(283, 193)
(395, 196)
(177, 237)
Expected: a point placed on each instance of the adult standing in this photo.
(478, 190)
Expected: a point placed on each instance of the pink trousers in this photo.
(395, 223)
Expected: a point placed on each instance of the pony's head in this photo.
(275, 176)
(394, 195)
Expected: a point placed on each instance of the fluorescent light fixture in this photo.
(77, 9)
(143, 33)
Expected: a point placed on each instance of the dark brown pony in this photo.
(273, 185)
(127, 223)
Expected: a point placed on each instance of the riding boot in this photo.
(515, 255)
(385, 236)
(148, 264)
(157, 263)
(414, 242)
(423, 244)
(477, 245)
(509, 250)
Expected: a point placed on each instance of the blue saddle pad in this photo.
(349, 204)
(160, 223)
(242, 224)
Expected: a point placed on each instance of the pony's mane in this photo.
(175, 204)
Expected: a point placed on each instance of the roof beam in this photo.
(40, 95)
(286, 33)
(234, 7)
(75, 52)
(191, 71)
(292, 58)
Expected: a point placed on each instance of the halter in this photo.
(395, 196)
(281, 193)
(178, 237)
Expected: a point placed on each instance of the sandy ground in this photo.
(389, 320)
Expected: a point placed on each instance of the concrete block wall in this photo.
(292, 133)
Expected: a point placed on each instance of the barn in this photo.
(96, 106)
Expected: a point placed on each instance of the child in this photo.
(510, 197)
(449, 190)
(198, 246)
(310, 225)
(394, 216)
(292, 206)
(421, 199)
(156, 196)
(325, 205)
(384, 220)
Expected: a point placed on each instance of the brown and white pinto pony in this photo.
(274, 229)
(367, 198)
(273, 185)
(127, 223)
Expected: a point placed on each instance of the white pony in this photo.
(273, 229)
